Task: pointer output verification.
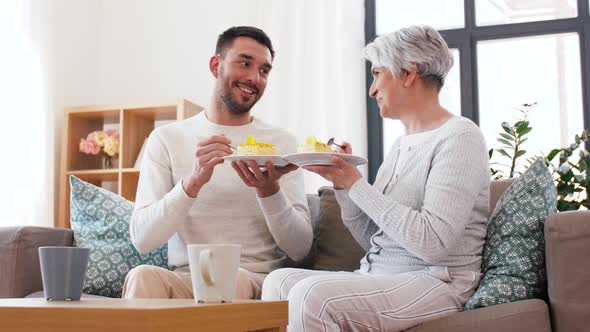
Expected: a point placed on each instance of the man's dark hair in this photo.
(226, 39)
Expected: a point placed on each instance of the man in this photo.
(187, 194)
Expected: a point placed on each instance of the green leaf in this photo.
(563, 205)
(501, 140)
(490, 153)
(522, 141)
(566, 176)
(552, 154)
(521, 126)
(503, 152)
(506, 136)
(525, 131)
(585, 183)
(520, 153)
(507, 128)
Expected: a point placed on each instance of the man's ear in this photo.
(214, 65)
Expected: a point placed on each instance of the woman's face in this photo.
(388, 91)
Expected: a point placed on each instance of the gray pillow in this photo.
(514, 253)
(336, 249)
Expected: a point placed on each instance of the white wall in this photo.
(65, 34)
(157, 50)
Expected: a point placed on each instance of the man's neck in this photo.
(219, 113)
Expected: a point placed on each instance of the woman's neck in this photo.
(424, 116)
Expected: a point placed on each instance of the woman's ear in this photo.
(411, 76)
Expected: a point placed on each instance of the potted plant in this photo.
(569, 170)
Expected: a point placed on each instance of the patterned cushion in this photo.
(100, 221)
(514, 254)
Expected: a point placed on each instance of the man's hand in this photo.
(210, 153)
(267, 182)
(342, 175)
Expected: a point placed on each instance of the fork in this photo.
(331, 142)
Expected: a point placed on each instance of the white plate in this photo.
(321, 158)
(278, 161)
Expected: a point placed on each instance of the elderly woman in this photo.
(423, 221)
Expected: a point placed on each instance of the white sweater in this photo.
(429, 203)
(225, 210)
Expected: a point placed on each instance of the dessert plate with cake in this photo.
(257, 151)
(315, 152)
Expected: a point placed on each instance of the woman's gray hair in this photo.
(419, 45)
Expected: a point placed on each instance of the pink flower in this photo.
(89, 146)
(113, 133)
(91, 136)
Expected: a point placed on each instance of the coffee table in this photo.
(112, 315)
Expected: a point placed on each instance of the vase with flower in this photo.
(104, 144)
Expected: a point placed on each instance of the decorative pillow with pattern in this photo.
(100, 221)
(514, 253)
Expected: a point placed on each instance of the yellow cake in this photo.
(253, 148)
(313, 145)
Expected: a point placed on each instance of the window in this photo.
(493, 12)
(391, 16)
(542, 69)
(507, 52)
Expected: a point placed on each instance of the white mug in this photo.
(214, 269)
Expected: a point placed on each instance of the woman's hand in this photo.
(346, 148)
(342, 175)
(267, 182)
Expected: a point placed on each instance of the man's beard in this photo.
(230, 101)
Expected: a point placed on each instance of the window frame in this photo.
(465, 39)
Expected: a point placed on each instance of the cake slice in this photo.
(253, 148)
(313, 145)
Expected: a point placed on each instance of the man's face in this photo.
(242, 74)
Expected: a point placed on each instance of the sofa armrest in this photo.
(19, 258)
(529, 315)
(567, 249)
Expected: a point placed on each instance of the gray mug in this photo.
(63, 270)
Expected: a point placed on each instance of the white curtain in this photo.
(317, 86)
(26, 136)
